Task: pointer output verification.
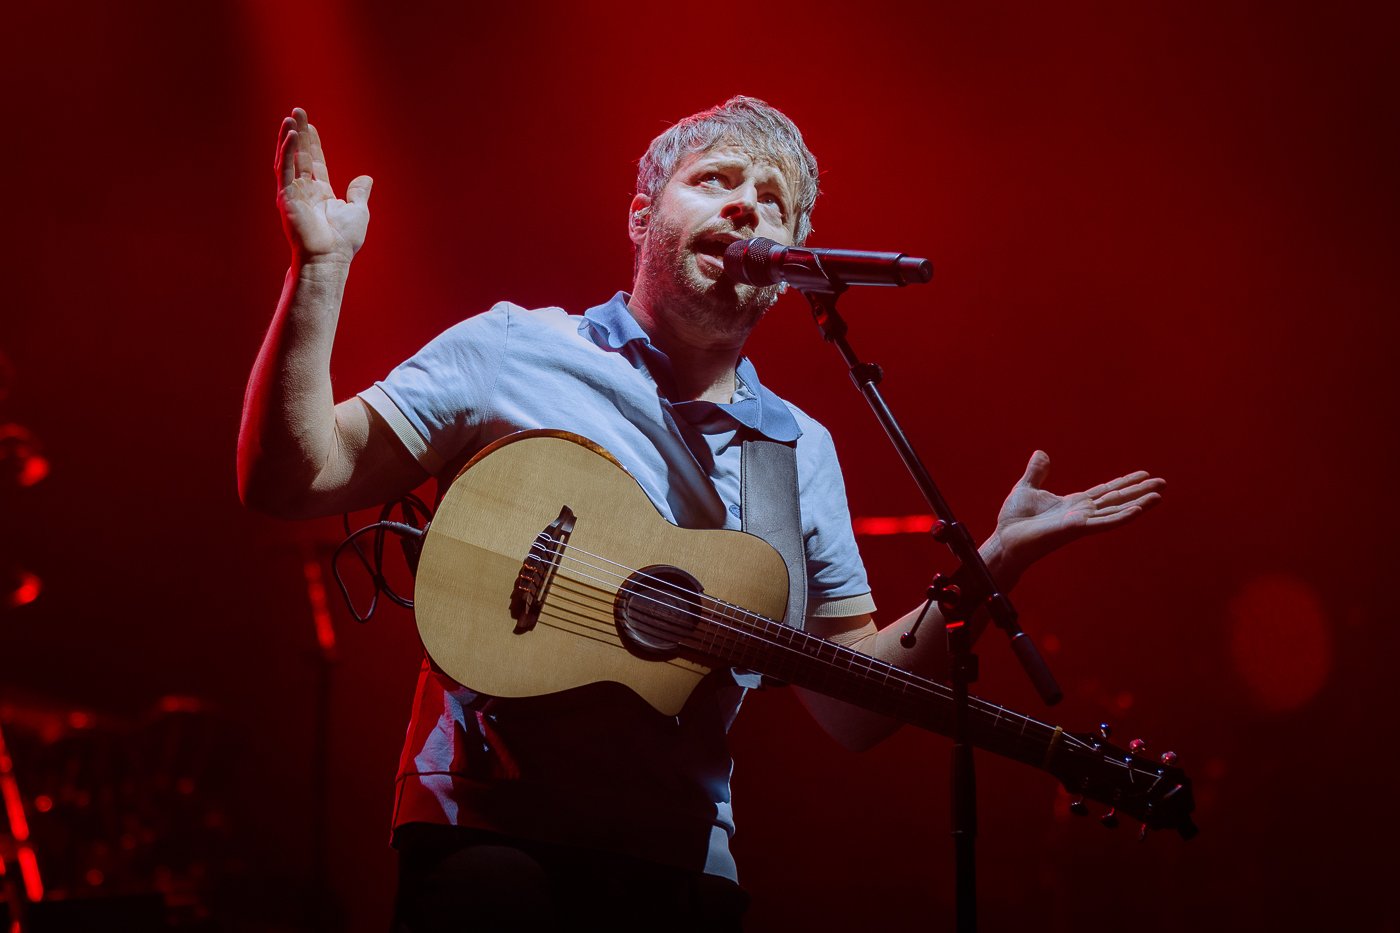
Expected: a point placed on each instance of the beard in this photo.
(719, 307)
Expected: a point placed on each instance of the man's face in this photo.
(713, 199)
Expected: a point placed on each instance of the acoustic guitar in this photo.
(546, 567)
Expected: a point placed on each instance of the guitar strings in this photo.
(575, 614)
(669, 588)
(726, 635)
(769, 625)
(871, 664)
(577, 593)
(998, 713)
(740, 636)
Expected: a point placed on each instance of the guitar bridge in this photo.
(538, 570)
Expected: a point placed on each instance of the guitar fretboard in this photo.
(746, 639)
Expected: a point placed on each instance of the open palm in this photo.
(319, 225)
(1034, 521)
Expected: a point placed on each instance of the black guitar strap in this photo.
(769, 508)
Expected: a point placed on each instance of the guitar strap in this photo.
(769, 508)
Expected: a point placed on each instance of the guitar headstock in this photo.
(1152, 790)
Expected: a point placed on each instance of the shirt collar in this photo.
(611, 326)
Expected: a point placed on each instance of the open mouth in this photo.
(711, 250)
(713, 246)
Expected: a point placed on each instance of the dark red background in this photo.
(1164, 237)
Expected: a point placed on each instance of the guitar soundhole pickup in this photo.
(538, 570)
(657, 609)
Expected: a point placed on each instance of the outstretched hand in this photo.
(1034, 521)
(319, 225)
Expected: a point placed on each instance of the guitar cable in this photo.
(415, 517)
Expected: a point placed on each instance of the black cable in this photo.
(410, 531)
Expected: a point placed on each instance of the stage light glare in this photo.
(20, 588)
(21, 460)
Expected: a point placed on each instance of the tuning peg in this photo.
(1168, 758)
(1137, 746)
(1110, 819)
(1078, 807)
(1105, 730)
(1142, 833)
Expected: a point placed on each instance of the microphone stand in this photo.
(326, 658)
(958, 597)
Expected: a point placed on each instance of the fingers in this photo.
(1141, 503)
(300, 165)
(318, 155)
(1110, 516)
(1121, 482)
(293, 158)
(1037, 470)
(300, 140)
(1116, 495)
(299, 151)
(278, 156)
(286, 155)
(1101, 522)
(301, 158)
(358, 192)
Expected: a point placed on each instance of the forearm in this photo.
(288, 435)
(1032, 523)
(929, 654)
(859, 729)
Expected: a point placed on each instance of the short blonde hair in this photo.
(750, 124)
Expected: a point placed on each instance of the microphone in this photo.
(761, 262)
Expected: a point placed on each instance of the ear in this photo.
(638, 212)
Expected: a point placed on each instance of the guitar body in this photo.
(485, 528)
(546, 567)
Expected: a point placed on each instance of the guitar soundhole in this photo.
(657, 608)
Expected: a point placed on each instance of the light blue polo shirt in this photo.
(597, 766)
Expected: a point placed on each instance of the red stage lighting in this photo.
(20, 587)
(1281, 642)
(21, 460)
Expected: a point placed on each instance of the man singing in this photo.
(589, 808)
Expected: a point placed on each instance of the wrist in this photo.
(324, 267)
(1003, 564)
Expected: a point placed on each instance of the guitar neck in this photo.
(747, 640)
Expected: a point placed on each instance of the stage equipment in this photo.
(115, 822)
(823, 278)
(762, 262)
(547, 567)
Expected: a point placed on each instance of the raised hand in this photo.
(319, 226)
(1034, 521)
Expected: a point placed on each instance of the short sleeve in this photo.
(836, 580)
(437, 399)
